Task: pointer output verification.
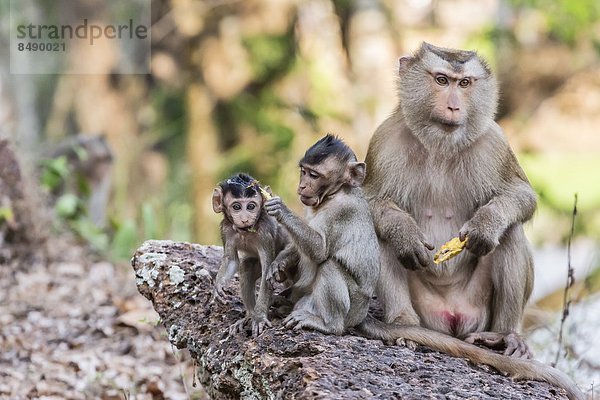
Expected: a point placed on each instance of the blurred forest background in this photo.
(248, 85)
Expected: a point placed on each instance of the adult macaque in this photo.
(339, 253)
(251, 241)
(441, 167)
(339, 264)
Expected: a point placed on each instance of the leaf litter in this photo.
(76, 328)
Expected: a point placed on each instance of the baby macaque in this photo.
(251, 240)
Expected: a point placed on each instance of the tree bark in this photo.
(178, 279)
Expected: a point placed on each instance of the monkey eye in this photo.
(313, 175)
(441, 80)
(251, 206)
(464, 82)
(236, 206)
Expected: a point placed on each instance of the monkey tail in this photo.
(372, 328)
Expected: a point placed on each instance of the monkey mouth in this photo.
(309, 200)
(446, 123)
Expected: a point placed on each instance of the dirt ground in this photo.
(76, 328)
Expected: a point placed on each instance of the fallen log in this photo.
(177, 278)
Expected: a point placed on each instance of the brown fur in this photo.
(251, 242)
(339, 254)
(440, 167)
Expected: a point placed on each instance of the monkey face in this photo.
(243, 211)
(451, 91)
(311, 185)
(318, 181)
(448, 97)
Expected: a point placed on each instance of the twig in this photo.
(569, 284)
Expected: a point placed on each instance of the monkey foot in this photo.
(238, 326)
(406, 343)
(301, 319)
(511, 342)
(219, 295)
(259, 323)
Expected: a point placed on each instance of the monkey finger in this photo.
(219, 295)
(409, 344)
(279, 276)
(271, 281)
(488, 339)
(512, 349)
(259, 326)
(428, 245)
(291, 323)
(517, 347)
(271, 210)
(257, 329)
(422, 258)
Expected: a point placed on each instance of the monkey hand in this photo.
(238, 326)
(483, 230)
(410, 245)
(400, 230)
(277, 272)
(276, 208)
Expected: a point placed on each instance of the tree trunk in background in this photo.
(202, 157)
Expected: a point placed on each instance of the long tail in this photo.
(517, 368)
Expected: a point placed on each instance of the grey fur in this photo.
(428, 182)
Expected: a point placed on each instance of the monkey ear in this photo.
(217, 200)
(403, 63)
(355, 173)
(268, 190)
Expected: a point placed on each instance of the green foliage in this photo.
(270, 55)
(170, 121)
(259, 109)
(149, 221)
(57, 175)
(96, 237)
(6, 214)
(556, 177)
(568, 20)
(69, 206)
(125, 240)
(54, 172)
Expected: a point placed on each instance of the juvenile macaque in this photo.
(339, 253)
(251, 242)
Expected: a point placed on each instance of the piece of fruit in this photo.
(449, 249)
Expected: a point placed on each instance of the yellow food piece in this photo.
(265, 194)
(449, 249)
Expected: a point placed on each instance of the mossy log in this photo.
(178, 277)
